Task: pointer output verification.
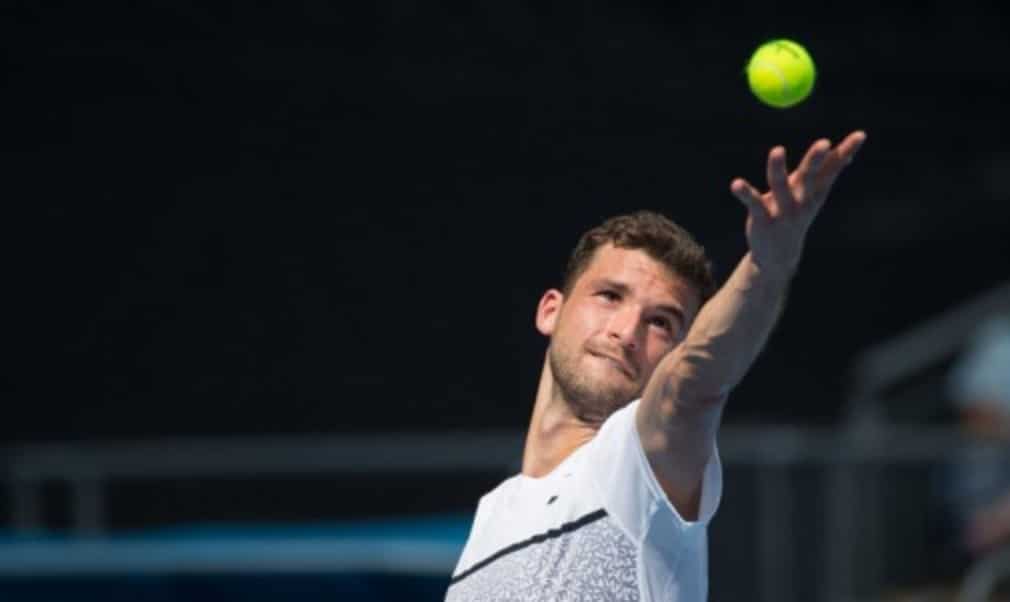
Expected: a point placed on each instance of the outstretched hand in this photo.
(778, 220)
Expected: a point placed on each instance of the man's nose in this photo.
(623, 328)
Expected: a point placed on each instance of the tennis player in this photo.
(620, 475)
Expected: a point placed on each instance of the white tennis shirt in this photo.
(598, 527)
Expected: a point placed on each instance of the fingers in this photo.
(810, 183)
(749, 196)
(839, 157)
(809, 168)
(778, 180)
(850, 146)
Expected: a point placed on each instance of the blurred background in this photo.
(271, 274)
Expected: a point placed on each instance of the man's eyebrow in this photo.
(623, 289)
(608, 283)
(674, 310)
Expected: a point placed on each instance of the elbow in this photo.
(694, 380)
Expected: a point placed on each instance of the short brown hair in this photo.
(658, 236)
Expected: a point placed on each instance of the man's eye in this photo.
(610, 295)
(663, 323)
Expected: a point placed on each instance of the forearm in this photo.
(682, 406)
(726, 337)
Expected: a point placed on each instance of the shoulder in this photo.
(488, 501)
(629, 487)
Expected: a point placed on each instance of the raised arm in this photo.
(682, 404)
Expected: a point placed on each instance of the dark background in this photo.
(326, 217)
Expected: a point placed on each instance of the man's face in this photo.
(622, 316)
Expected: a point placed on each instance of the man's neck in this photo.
(554, 432)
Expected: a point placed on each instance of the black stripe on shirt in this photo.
(550, 534)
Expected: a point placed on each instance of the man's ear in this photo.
(548, 310)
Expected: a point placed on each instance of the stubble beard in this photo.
(590, 401)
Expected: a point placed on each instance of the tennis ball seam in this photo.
(776, 70)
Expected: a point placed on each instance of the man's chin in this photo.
(618, 395)
(595, 391)
(595, 412)
(601, 401)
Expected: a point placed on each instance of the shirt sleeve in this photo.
(632, 494)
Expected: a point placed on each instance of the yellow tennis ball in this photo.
(781, 73)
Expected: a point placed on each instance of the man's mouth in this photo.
(619, 364)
